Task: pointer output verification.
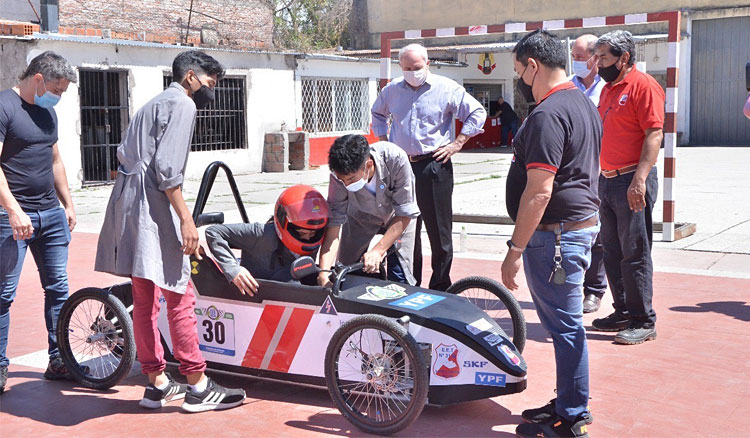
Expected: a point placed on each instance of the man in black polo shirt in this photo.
(551, 194)
(508, 120)
(32, 185)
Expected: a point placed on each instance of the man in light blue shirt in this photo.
(586, 78)
(423, 106)
(585, 68)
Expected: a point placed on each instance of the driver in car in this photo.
(268, 250)
(371, 191)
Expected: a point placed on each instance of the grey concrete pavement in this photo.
(712, 191)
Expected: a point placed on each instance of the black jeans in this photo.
(627, 238)
(434, 188)
(595, 281)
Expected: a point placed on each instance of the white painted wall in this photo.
(269, 95)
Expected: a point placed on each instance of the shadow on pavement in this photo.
(478, 418)
(736, 309)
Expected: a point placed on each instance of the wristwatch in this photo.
(512, 246)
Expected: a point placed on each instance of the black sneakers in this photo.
(3, 378)
(554, 427)
(215, 397)
(612, 323)
(546, 412)
(154, 398)
(633, 336)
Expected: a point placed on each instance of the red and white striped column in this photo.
(670, 127)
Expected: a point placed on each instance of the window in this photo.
(335, 105)
(104, 119)
(221, 126)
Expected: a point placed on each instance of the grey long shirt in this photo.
(394, 190)
(141, 234)
(263, 254)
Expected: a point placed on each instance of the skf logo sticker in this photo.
(194, 266)
(446, 361)
(623, 99)
(489, 379)
(475, 363)
(328, 308)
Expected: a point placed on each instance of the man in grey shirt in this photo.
(148, 232)
(371, 190)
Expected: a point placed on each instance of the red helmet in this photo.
(300, 207)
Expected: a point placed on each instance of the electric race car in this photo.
(382, 349)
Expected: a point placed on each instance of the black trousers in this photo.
(627, 238)
(595, 281)
(434, 187)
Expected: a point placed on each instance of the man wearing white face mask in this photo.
(371, 191)
(423, 106)
(586, 78)
(32, 186)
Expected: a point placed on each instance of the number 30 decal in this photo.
(215, 331)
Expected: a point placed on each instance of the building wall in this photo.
(235, 23)
(270, 97)
(389, 15)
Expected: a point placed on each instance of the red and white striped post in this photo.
(670, 113)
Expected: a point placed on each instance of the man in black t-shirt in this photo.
(32, 185)
(551, 194)
(508, 120)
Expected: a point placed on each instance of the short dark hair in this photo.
(52, 67)
(199, 62)
(348, 154)
(542, 46)
(619, 42)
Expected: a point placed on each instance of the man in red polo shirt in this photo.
(632, 111)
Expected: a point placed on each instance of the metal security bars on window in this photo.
(104, 119)
(222, 125)
(335, 105)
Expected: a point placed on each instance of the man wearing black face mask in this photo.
(148, 232)
(632, 111)
(551, 196)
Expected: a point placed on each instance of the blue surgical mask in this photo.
(357, 185)
(581, 69)
(46, 100)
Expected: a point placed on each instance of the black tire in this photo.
(504, 308)
(94, 322)
(411, 379)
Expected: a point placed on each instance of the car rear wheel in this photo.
(95, 338)
(497, 302)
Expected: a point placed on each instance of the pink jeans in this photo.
(182, 328)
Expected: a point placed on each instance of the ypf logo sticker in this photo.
(446, 361)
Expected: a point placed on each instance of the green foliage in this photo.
(311, 24)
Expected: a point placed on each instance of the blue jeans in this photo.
(49, 246)
(627, 238)
(560, 310)
(506, 128)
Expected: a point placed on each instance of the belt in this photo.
(620, 171)
(418, 158)
(570, 226)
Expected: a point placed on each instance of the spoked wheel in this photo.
(376, 374)
(95, 337)
(497, 302)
